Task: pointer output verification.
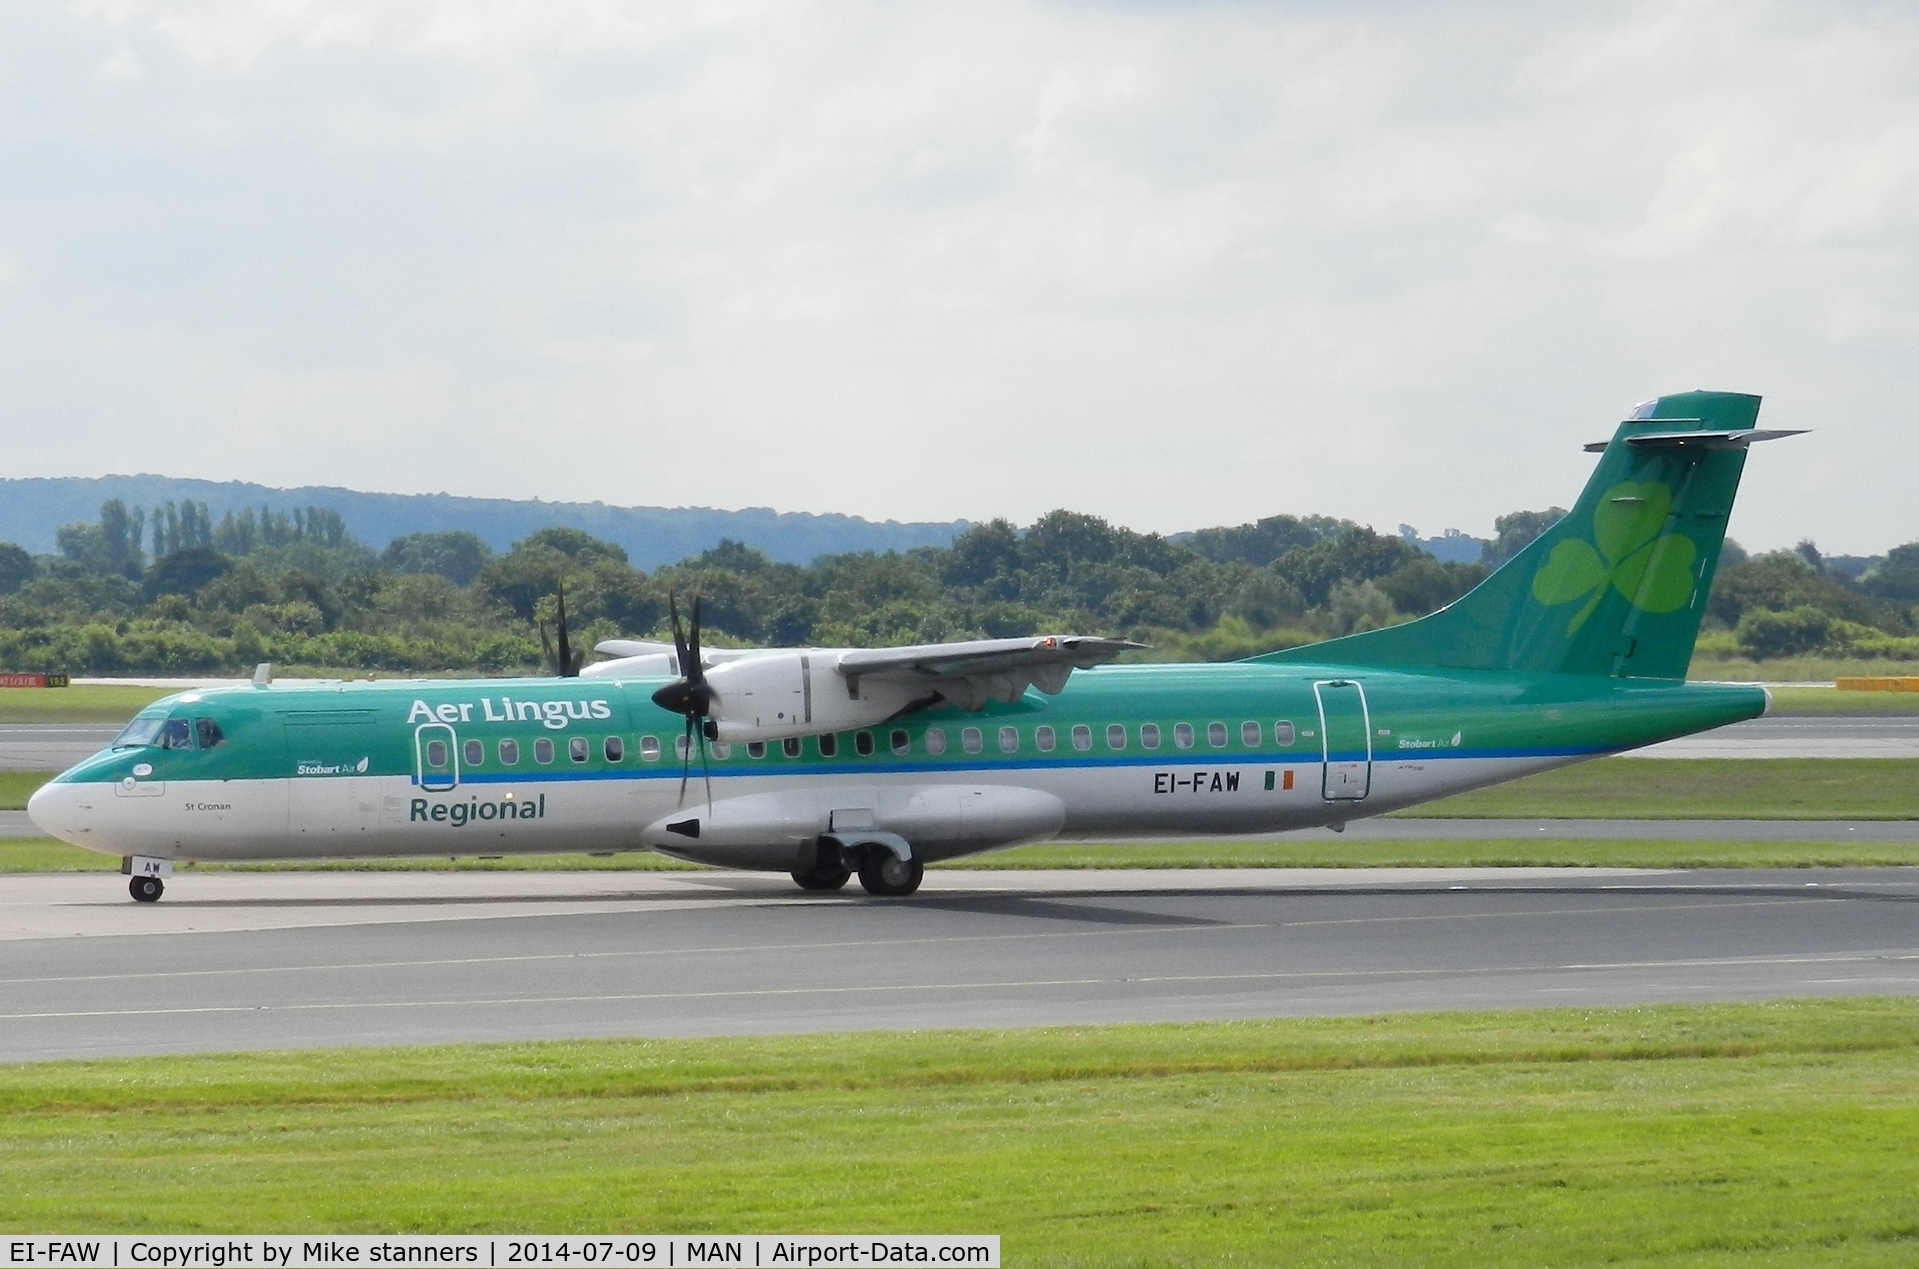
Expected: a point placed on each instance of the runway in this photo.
(52, 746)
(1799, 736)
(276, 960)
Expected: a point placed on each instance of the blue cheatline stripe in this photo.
(733, 770)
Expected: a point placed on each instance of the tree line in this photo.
(169, 590)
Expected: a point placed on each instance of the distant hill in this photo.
(31, 509)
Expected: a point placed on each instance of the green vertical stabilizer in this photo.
(1618, 586)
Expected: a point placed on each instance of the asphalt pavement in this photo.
(51, 746)
(1799, 736)
(279, 960)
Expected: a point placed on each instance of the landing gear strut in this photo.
(824, 868)
(146, 889)
(888, 876)
(824, 878)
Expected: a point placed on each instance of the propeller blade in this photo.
(697, 674)
(686, 758)
(569, 668)
(689, 696)
(706, 773)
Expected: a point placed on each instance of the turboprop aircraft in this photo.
(823, 762)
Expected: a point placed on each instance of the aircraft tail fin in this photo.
(1615, 588)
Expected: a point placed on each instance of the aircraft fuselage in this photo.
(489, 767)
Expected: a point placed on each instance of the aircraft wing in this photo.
(973, 672)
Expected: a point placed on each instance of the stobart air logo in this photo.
(1653, 570)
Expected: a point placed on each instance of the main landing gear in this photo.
(823, 877)
(882, 873)
(887, 876)
(146, 889)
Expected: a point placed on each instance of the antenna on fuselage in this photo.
(263, 674)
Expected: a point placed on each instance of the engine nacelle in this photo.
(775, 695)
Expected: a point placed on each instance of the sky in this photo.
(1173, 264)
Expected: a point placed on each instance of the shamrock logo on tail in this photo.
(1652, 571)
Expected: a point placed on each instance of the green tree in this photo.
(16, 568)
(457, 555)
(1514, 533)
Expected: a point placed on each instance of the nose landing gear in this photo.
(148, 873)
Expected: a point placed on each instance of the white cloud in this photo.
(1177, 265)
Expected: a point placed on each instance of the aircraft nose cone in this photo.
(53, 809)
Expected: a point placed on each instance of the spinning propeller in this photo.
(563, 663)
(690, 696)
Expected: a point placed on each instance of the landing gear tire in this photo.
(146, 889)
(888, 876)
(827, 879)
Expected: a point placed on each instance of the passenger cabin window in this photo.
(1149, 735)
(969, 740)
(543, 751)
(436, 753)
(649, 748)
(1082, 737)
(935, 741)
(902, 744)
(1216, 735)
(1043, 737)
(682, 747)
(576, 749)
(475, 753)
(756, 748)
(722, 751)
(207, 732)
(1115, 736)
(177, 734)
(1009, 740)
(829, 745)
(1282, 733)
(863, 743)
(1183, 735)
(790, 746)
(509, 753)
(614, 748)
(1250, 734)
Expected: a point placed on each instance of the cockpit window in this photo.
(207, 732)
(176, 733)
(141, 731)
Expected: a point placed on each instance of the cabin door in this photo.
(436, 757)
(1346, 740)
(329, 753)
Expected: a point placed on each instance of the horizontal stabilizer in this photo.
(1699, 440)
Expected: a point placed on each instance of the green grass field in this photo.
(17, 786)
(1706, 665)
(1700, 788)
(88, 704)
(1717, 1135)
(1826, 702)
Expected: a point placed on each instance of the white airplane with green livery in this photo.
(825, 762)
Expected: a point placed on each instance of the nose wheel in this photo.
(146, 889)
